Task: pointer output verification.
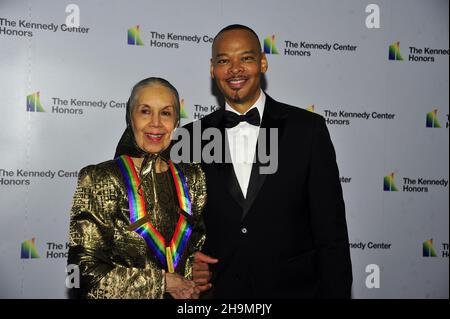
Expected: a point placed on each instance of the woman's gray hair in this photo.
(149, 82)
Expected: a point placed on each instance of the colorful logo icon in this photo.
(134, 37)
(183, 113)
(269, 45)
(310, 108)
(394, 52)
(432, 120)
(389, 183)
(428, 249)
(28, 249)
(34, 103)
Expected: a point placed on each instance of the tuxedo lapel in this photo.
(228, 175)
(271, 118)
(225, 168)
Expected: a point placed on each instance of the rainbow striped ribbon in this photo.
(168, 256)
(181, 186)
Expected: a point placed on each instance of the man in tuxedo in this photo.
(280, 234)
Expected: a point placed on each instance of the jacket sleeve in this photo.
(328, 218)
(198, 237)
(91, 244)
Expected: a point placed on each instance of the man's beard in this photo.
(236, 98)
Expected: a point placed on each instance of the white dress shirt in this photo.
(242, 141)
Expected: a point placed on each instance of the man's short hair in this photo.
(237, 27)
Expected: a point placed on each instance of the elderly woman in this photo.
(136, 220)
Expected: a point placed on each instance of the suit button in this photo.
(244, 230)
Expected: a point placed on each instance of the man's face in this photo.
(236, 65)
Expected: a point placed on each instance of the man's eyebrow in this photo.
(218, 55)
(249, 52)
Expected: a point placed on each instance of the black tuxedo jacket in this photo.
(288, 237)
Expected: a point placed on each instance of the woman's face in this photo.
(153, 118)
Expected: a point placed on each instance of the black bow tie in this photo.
(232, 119)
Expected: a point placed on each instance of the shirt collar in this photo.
(259, 104)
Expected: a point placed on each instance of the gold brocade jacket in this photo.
(115, 262)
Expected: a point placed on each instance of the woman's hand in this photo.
(179, 287)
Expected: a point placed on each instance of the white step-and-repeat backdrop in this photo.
(377, 71)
